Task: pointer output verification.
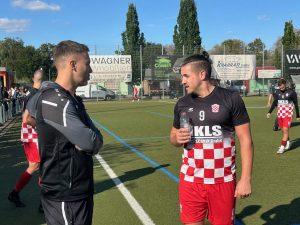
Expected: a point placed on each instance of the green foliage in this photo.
(132, 39)
(233, 46)
(257, 47)
(289, 40)
(229, 46)
(186, 31)
(24, 60)
(150, 53)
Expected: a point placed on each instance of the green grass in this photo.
(145, 126)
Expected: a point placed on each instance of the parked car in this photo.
(95, 91)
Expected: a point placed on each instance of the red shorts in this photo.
(31, 151)
(284, 122)
(216, 201)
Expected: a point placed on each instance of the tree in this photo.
(17, 58)
(132, 39)
(150, 53)
(289, 39)
(297, 33)
(186, 35)
(10, 50)
(233, 46)
(257, 47)
(24, 60)
(45, 53)
(229, 46)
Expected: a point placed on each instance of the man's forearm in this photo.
(270, 99)
(26, 118)
(173, 140)
(247, 159)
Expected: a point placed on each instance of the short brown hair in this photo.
(68, 47)
(200, 62)
(281, 81)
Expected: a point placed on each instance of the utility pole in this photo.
(141, 62)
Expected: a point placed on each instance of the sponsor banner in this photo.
(233, 67)
(269, 73)
(163, 62)
(110, 67)
(292, 62)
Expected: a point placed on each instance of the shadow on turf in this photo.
(283, 214)
(128, 176)
(13, 163)
(247, 211)
(295, 124)
(294, 144)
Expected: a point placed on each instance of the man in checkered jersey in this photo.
(285, 100)
(30, 144)
(207, 184)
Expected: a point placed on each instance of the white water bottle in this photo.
(184, 120)
(185, 123)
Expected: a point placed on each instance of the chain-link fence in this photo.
(158, 67)
(8, 109)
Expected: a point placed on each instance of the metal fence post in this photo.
(1, 113)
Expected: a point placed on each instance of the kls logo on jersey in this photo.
(215, 108)
(208, 131)
(208, 134)
(283, 102)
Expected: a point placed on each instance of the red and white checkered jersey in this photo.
(285, 109)
(286, 101)
(209, 157)
(28, 134)
(209, 163)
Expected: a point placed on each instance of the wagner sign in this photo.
(233, 67)
(110, 67)
(292, 62)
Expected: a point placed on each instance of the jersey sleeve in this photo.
(31, 93)
(59, 111)
(239, 113)
(275, 102)
(176, 121)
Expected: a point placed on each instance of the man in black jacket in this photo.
(67, 140)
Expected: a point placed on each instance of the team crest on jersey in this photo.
(191, 110)
(215, 108)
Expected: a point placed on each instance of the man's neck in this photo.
(67, 85)
(205, 89)
(36, 85)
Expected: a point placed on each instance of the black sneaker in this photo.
(41, 210)
(15, 198)
(275, 128)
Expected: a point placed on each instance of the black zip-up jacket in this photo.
(67, 141)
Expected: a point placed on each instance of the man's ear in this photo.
(202, 74)
(73, 64)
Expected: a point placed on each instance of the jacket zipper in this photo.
(71, 172)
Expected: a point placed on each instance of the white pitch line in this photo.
(137, 208)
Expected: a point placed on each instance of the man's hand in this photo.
(268, 115)
(298, 118)
(183, 136)
(243, 189)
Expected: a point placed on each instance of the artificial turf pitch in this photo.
(137, 149)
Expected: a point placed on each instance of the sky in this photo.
(99, 23)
